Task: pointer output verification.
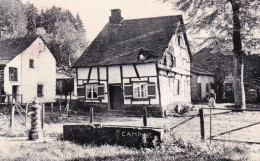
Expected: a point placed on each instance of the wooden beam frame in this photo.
(89, 74)
(158, 84)
(136, 72)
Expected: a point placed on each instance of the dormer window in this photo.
(143, 54)
(31, 63)
(142, 57)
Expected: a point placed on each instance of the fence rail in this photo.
(11, 98)
(229, 131)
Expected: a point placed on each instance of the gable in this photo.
(10, 48)
(177, 54)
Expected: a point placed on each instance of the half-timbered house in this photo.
(136, 63)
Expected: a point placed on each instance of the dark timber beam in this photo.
(89, 74)
(136, 72)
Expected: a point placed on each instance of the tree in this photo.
(13, 18)
(31, 15)
(65, 35)
(215, 17)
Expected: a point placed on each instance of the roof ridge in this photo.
(152, 17)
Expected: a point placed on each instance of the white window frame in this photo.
(143, 93)
(91, 91)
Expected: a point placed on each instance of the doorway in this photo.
(116, 97)
(14, 92)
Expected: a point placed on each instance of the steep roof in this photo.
(10, 48)
(200, 71)
(120, 44)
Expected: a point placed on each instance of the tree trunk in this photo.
(238, 82)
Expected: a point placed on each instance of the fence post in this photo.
(210, 125)
(145, 116)
(51, 107)
(60, 105)
(202, 131)
(12, 116)
(26, 112)
(91, 115)
(67, 108)
(43, 114)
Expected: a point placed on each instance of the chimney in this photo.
(115, 17)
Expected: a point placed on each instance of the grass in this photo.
(176, 149)
(182, 143)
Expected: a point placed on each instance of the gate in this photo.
(234, 125)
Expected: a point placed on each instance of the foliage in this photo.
(209, 21)
(65, 34)
(12, 19)
(31, 15)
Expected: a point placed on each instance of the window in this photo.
(179, 40)
(176, 87)
(174, 61)
(207, 87)
(140, 90)
(39, 90)
(31, 63)
(12, 74)
(169, 59)
(92, 91)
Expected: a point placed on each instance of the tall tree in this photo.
(31, 15)
(13, 18)
(230, 22)
(65, 37)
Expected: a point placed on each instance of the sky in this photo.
(95, 13)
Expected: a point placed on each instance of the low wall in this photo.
(128, 110)
(137, 110)
(113, 135)
(85, 106)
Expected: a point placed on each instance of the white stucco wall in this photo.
(204, 80)
(114, 77)
(181, 72)
(44, 72)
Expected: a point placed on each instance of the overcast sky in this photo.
(95, 13)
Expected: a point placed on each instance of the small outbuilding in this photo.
(202, 82)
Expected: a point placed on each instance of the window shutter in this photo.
(151, 89)
(81, 91)
(101, 91)
(128, 90)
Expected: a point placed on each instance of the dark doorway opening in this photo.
(116, 97)
(14, 92)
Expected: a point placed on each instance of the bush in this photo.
(180, 109)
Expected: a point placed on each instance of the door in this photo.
(116, 98)
(199, 92)
(14, 93)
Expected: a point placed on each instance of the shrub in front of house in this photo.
(180, 109)
(137, 110)
(85, 106)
